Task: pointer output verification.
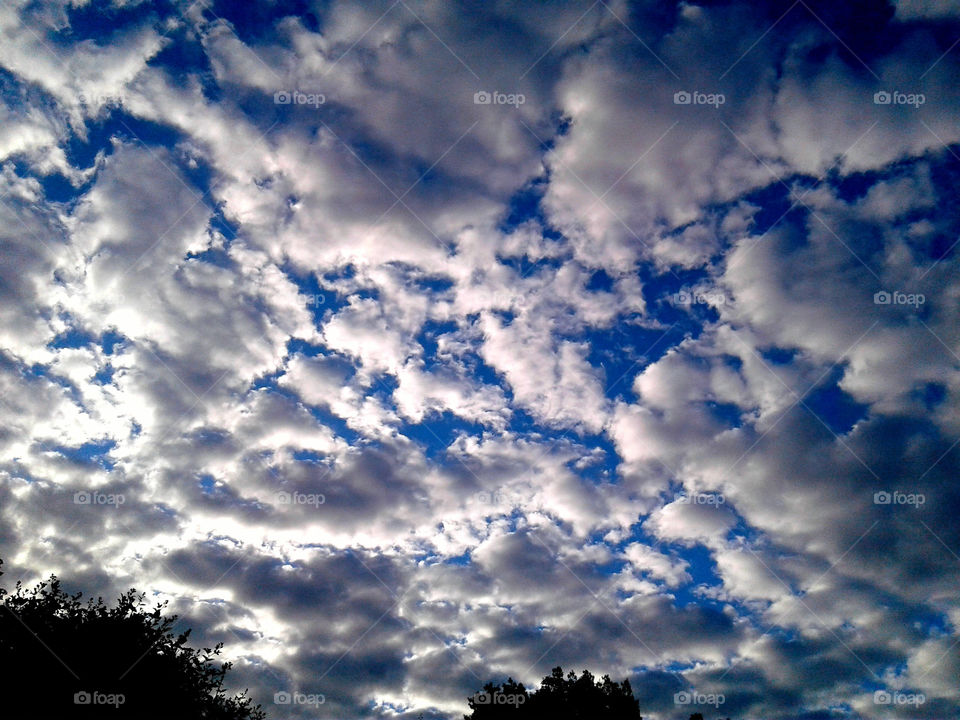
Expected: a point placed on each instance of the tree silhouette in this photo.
(576, 698)
(64, 658)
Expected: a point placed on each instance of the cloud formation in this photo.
(396, 383)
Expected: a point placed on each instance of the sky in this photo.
(403, 346)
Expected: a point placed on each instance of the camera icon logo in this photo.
(881, 498)
(282, 97)
(682, 97)
(482, 97)
(682, 698)
(81, 498)
(281, 698)
(82, 698)
(882, 697)
(882, 98)
(881, 298)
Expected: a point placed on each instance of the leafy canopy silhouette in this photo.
(570, 697)
(66, 658)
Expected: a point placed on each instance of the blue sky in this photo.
(404, 346)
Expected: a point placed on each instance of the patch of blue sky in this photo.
(323, 415)
(309, 456)
(525, 267)
(524, 206)
(742, 531)
(599, 464)
(320, 300)
(207, 484)
(777, 205)
(701, 566)
(945, 177)
(437, 432)
(836, 408)
(727, 414)
(110, 340)
(104, 376)
(931, 394)
(91, 454)
(461, 560)
(218, 254)
(429, 337)
(56, 187)
(257, 22)
(436, 284)
(523, 423)
(778, 355)
(600, 281)
(622, 351)
(101, 21)
(72, 338)
(42, 371)
(184, 55)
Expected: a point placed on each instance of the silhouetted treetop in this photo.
(65, 658)
(570, 697)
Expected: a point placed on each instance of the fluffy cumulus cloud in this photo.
(406, 346)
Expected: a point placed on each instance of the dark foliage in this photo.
(60, 657)
(570, 697)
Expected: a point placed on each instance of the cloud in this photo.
(403, 384)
